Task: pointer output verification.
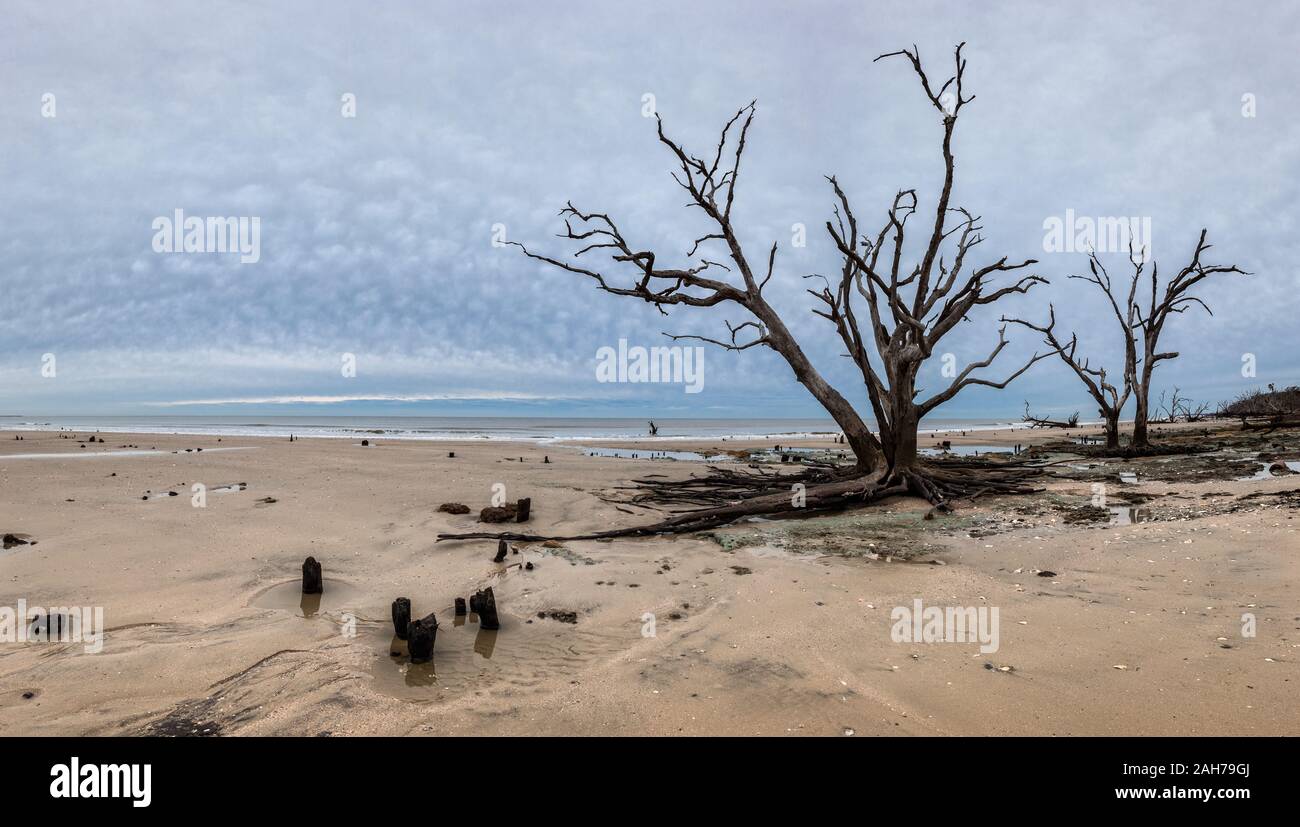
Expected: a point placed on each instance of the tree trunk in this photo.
(1140, 415)
(903, 453)
(1112, 429)
(865, 446)
(904, 416)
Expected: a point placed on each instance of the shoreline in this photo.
(959, 434)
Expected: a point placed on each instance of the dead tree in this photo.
(911, 310)
(1110, 400)
(1141, 321)
(1044, 422)
(1180, 408)
(1271, 410)
(909, 313)
(1197, 414)
(1149, 316)
(711, 184)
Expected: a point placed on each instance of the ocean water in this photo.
(506, 428)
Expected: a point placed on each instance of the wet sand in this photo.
(771, 628)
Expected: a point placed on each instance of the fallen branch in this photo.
(1042, 422)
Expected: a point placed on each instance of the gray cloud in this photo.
(376, 230)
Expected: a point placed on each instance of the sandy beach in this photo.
(763, 628)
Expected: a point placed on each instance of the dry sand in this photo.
(206, 632)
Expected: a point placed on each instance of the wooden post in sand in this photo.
(502, 550)
(420, 635)
(484, 604)
(522, 509)
(460, 607)
(401, 617)
(312, 580)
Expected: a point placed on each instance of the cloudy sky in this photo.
(376, 230)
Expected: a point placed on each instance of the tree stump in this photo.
(420, 635)
(522, 510)
(313, 582)
(502, 549)
(460, 607)
(484, 604)
(401, 617)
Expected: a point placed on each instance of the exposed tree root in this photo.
(729, 495)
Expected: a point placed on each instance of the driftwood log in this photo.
(1044, 422)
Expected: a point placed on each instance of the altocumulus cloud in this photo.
(376, 230)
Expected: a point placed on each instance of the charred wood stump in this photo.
(401, 617)
(484, 604)
(420, 635)
(503, 548)
(460, 607)
(313, 582)
(523, 509)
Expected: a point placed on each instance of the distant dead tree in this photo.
(1265, 410)
(1149, 318)
(1166, 411)
(910, 311)
(1180, 408)
(1141, 316)
(1110, 400)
